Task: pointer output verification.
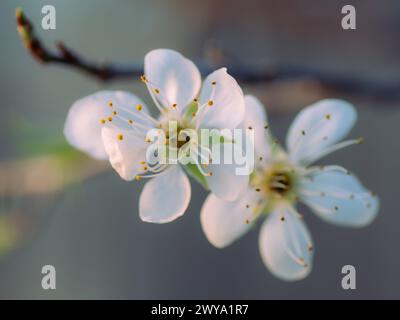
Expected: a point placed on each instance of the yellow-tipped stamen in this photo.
(102, 121)
(139, 107)
(109, 119)
(120, 137)
(143, 78)
(114, 113)
(110, 104)
(138, 178)
(210, 103)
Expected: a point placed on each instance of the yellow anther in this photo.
(143, 78)
(266, 127)
(130, 121)
(174, 105)
(142, 162)
(328, 117)
(138, 178)
(195, 100)
(360, 140)
(114, 113)
(214, 83)
(120, 137)
(109, 119)
(147, 140)
(110, 104)
(145, 168)
(139, 107)
(210, 102)
(250, 128)
(193, 114)
(210, 174)
(156, 91)
(102, 121)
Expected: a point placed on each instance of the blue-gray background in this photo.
(93, 235)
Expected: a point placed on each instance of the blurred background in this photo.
(59, 207)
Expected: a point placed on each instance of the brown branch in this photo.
(243, 72)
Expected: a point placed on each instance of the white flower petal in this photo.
(177, 78)
(285, 245)
(224, 181)
(318, 127)
(339, 198)
(256, 118)
(83, 127)
(228, 107)
(124, 155)
(165, 197)
(225, 221)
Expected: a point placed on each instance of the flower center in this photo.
(280, 182)
(277, 182)
(177, 133)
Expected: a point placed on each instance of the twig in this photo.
(243, 72)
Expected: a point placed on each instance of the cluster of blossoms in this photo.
(117, 126)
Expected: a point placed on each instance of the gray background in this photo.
(93, 235)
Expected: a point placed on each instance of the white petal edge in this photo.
(339, 198)
(318, 127)
(165, 197)
(227, 110)
(82, 127)
(223, 222)
(124, 155)
(224, 182)
(285, 245)
(177, 77)
(256, 118)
